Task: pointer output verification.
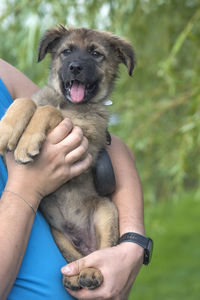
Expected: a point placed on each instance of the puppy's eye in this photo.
(66, 52)
(96, 54)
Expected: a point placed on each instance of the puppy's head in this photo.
(84, 62)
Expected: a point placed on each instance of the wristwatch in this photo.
(141, 240)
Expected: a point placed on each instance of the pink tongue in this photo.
(77, 91)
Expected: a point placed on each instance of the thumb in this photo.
(73, 268)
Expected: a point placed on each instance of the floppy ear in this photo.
(125, 53)
(50, 38)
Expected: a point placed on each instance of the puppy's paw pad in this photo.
(71, 282)
(90, 278)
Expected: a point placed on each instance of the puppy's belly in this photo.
(71, 210)
(75, 223)
(82, 238)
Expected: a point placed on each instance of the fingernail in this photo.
(68, 122)
(66, 270)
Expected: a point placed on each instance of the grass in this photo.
(174, 272)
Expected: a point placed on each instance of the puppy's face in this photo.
(84, 62)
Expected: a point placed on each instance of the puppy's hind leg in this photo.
(106, 227)
(89, 278)
(106, 223)
(70, 254)
(14, 123)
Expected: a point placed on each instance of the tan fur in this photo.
(81, 220)
(43, 121)
(10, 129)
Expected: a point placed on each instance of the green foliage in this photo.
(158, 114)
(158, 108)
(175, 269)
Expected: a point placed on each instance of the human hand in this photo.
(119, 266)
(58, 162)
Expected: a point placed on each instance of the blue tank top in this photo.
(39, 277)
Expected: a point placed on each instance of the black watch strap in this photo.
(141, 240)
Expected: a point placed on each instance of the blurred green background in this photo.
(156, 112)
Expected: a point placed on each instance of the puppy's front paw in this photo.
(8, 137)
(14, 123)
(28, 147)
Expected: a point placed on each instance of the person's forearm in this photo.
(17, 83)
(59, 161)
(16, 220)
(128, 195)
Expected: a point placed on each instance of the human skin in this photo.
(14, 232)
(118, 278)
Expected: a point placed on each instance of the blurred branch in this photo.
(165, 66)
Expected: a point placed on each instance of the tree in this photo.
(158, 109)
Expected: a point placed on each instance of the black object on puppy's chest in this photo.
(103, 174)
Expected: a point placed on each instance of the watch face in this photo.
(148, 252)
(150, 246)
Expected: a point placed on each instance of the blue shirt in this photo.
(39, 277)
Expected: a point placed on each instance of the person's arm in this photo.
(17, 83)
(120, 264)
(53, 167)
(128, 195)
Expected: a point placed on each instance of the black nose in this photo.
(75, 68)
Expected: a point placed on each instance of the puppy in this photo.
(84, 66)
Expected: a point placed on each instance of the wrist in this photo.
(27, 192)
(144, 242)
(131, 253)
(132, 248)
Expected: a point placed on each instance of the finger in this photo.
(76, 266)
(80, 166)
(78, 152)
(85, 294)
(60, 132)
(73, 140)
(73, 268)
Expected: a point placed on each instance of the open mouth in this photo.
(78, 92)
